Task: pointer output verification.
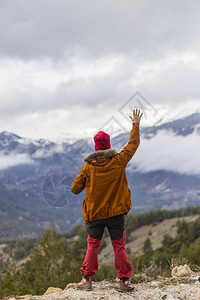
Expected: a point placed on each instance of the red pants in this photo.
(90, 264)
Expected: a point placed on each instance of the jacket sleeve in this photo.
(128, 151)
(79, 183)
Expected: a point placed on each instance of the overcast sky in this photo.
(67, 67)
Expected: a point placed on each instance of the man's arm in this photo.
(128, 151)
(79, 183)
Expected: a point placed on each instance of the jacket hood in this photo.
(100, 154)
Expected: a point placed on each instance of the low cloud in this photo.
(12, 160)
(166, 151)
(43, 153)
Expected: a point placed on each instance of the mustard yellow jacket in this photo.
(104, 176)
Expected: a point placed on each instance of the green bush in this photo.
(19, 253)
(105, 272)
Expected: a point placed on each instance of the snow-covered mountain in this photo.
(183, 126)
(164, 173)
(173, 146)
(32, 151)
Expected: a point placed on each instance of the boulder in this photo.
(52, 290)
(181, 271)
(71, 285)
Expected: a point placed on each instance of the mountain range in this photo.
(35, 176)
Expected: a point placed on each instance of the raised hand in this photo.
(136, 116)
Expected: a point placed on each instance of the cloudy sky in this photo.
(68, 67)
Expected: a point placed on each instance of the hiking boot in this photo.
(125, 286)
(85, 284)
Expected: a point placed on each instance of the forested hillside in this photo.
(31, 266)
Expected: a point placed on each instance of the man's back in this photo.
(104, 176)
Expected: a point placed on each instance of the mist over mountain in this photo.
(164, 173)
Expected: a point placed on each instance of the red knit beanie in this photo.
(102, 141)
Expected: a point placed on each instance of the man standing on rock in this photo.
(107, 199)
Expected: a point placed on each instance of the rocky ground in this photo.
(107, 291)
(183, 285)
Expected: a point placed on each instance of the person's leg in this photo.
(117, 233)
(95, 231)
(121, 259)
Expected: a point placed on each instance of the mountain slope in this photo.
(137, 238)
(164, 173)
(23, 215)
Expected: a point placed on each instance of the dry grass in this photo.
(138, 236)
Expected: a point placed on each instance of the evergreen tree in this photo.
(147, 246)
